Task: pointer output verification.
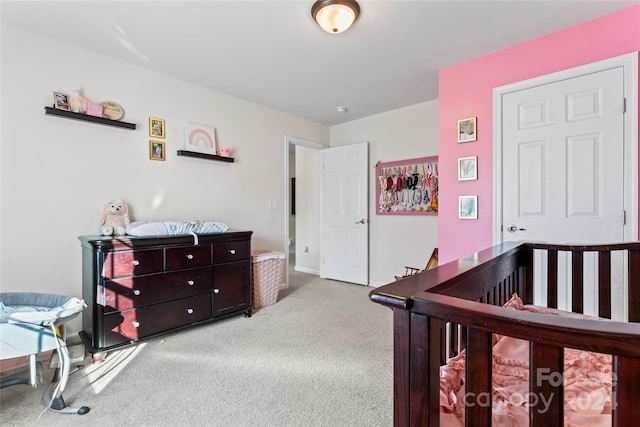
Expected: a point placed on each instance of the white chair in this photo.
(28, 323)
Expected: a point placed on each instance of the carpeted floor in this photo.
(321, 356)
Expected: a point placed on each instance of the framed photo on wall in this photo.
(468, 207)
(407, 187)
(156, 127)
(467, 168)
(156, 150)
(467, 130)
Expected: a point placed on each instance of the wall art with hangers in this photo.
(407, 187)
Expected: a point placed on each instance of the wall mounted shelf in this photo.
(84, 117)
(205, 156)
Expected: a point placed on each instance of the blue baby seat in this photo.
(28, 323)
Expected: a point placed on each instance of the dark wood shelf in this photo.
(87, 118)
(205, 156)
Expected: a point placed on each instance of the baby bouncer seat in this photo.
(28, 325)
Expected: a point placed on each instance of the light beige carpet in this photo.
(321, 356)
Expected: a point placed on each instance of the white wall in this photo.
(395, 240)
(57, 173)
(308, 209)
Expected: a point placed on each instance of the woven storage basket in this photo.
(268, 269)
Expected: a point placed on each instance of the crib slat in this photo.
(625, 391)
(436, 328)
(634, 285)
(401, 367)
(545, 385)
(525, 275)
(478, 367)
(577, 282)
(419, 377)
(604, 284)
(552, 278)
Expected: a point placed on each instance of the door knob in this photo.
(362, 221)
(511, 228)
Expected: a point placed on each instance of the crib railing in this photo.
(439, 312)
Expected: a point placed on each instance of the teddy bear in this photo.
(114, 218)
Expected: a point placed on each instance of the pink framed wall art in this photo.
(407, 187)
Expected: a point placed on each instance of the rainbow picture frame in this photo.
(200, 139)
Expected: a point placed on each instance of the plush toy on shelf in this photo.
(225, 152)
(114, 218)
(77, 103)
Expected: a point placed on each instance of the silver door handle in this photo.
(511, 228)
(362, 221)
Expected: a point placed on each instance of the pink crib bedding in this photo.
(587, 383)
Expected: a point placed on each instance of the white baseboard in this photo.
(307, 270)
(377, 284)
(76, 353)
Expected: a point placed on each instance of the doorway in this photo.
(628, 65)
(566, 161)
(294, 201)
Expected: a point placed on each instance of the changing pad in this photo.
(169, 228)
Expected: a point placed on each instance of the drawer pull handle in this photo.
(190, 310)
(232, 251)
(136, 292)
(216, 291)
(136, 324)
(189, 256)
(191, 283)
(136, 262)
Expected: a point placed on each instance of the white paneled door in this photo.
(563, 168)
(563, 160)
(345, 217)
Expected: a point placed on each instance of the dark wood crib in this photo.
(437, 313)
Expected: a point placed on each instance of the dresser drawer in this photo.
(129, 263)
(187, 256)
(140, 322)
(231, 251)
(130, 292)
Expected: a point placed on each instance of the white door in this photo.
(345, 218)
(563, 170)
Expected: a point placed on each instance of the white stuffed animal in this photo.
(114, 218)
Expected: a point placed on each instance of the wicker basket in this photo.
(268, 269)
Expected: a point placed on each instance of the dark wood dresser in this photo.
(140, 287)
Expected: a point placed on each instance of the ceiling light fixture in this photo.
(335, 16)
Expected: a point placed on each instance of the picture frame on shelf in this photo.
(468, 207)
(156, 127)
(61, 101)
(467, 129)
(156, 150)
(468, 168)
(200, 139)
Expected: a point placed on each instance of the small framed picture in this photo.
(467, 130)
(156, 150)
(468, 207)
(60, 101)
(467, 168)
(156, 127)
(200, 139)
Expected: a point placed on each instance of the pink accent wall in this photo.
(466, 90)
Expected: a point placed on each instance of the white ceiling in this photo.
(272, 53)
